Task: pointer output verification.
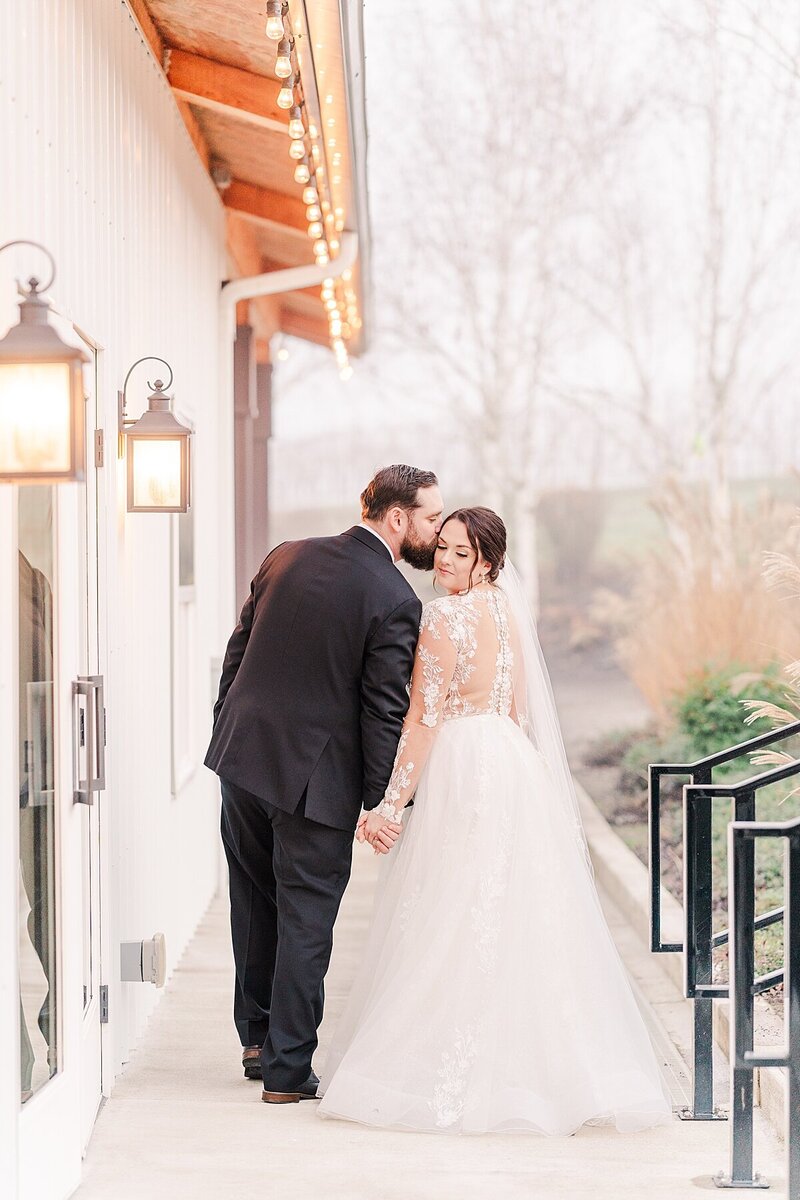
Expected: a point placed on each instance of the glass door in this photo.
(38, 861)
(61, 776)
(89, 729)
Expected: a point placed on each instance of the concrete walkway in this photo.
(183, 1123)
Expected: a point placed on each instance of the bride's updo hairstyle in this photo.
(486, 533)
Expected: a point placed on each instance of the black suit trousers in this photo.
(287, 877)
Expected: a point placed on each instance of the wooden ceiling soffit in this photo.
(210, 84)
(246, 258)
(265, 206)
(311, 329)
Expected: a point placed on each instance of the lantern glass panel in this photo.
(36, 434)
(156, 472)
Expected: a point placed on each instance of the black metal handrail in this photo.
(700, 772)
(699, 939)
(743, 924)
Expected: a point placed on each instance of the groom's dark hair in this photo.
(395, 485)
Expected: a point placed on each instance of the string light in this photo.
(296, 127)
(276, 11)
(286, 94)
(283, 63)
(324, 222)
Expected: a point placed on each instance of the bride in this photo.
(490, 996)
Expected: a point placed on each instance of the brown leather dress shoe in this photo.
(251, 1061)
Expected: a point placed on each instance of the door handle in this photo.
(90, 687)
(40, 755)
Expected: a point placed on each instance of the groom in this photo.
(311, 704)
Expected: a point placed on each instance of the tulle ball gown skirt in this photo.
(490, 996)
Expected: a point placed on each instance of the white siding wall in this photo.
(96, 164)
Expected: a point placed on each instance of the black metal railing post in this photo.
(791, 1008)
(699, 939)
(698, 934)
(742, 926)
(744, 985)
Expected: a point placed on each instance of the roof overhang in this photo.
(220, 66)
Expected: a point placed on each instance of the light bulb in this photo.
(321, 247)
(313, 212)
(331, 304)
(336, 328)
(310, 195)
(315, 229)
(322, 260)
(286, 94)
(312, 129)
(302, 173)
(283, 354)
(334, 244)
(275, 29)
(297, 150)
(296, 127)
(283, 63)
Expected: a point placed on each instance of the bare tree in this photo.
(514, 120)
(695, 263)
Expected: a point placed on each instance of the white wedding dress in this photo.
(490, 995)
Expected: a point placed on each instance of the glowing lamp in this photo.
(275, 14)
(42, 402)
(158, 452)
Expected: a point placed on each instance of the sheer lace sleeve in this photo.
(434, 665)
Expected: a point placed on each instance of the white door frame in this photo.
(55, 1123)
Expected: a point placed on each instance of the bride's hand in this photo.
(379, 832)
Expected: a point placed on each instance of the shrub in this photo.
(712, 712)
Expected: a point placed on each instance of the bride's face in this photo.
(455, 563)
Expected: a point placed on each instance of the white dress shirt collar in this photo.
(380, 538)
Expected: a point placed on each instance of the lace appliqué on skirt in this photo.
(448, 1094)
(491, 889)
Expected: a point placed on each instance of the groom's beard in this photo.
(418, 554)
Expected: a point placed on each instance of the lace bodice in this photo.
(464, 666)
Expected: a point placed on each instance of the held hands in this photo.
(378, 832)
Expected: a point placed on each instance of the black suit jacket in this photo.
(314, 683)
